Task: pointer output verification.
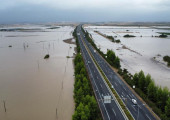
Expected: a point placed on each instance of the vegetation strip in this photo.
(156, 97)
(86, 107)
(167, 59)
(108, 37)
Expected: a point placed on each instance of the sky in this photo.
(23, 11)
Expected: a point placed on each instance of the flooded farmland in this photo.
(34, 88)
(143, 52)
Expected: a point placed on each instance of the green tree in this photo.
(78, 67)
(147, 81)
(83, 71)
(117, 62)
(167, 108)
(164, 97)
(93, 107)
(151, 90)
(136, 79)
(158, 96)
(141, 82)
(78, 58)
(79, 96)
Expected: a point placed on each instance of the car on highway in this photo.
(134, 101)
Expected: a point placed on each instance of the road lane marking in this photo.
(115, 84)
(101, 85)
(114, 111)
(133, 107)
(123, 94)
(148, 117)
(124, 88)
(133, 96)
(128, 96)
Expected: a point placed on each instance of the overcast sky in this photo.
(16, 11)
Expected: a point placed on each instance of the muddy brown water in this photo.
(34, 88)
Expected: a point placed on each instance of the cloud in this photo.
(91, 4)
(84, 10)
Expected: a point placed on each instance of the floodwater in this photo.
(141, 50)
(34, 88)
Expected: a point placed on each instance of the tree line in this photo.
(156, 97)
(112, 59)
(86, 107)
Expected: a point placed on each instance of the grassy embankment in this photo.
(86, 107)
(156, 97)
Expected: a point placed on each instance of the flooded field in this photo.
(143, 52)
(32, 87)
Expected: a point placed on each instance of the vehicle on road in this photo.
(134, 101)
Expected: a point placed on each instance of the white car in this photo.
(134, 101)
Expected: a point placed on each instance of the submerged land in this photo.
(37, 71)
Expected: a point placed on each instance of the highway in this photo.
(139, 111)
(110, 111)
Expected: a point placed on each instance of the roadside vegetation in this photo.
(156, 97)
(127, 36)
(165, 33)
(86, 107)
(167, 59)
(108, 37)
(163, 36)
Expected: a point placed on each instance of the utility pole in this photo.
(4, 105)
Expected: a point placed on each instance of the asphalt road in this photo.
(110, 111)
(139, 111)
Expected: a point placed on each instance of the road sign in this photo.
(107, 99)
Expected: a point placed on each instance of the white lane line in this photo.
(115, 84)
(148, 117)
(123, 94)
(139, 106)
(133, 96)
(133, 107)
(124, 88)
(101, 85)
(114, 111)
(128, 96)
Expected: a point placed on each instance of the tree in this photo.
(78, 67)
(79, 96)
(167, 108)
(93, 107)
(147, 81)
(83, 71)
(86, 87)
(111, 56)
(164, 97)
(158, 96)
(141, 82)
(78, 58)
(151, 91)
(117, 62)
(135, 79)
